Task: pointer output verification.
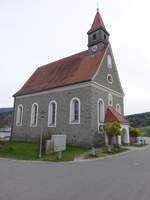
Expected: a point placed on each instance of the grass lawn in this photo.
(69, 155)
(104, 152)
(145, 131)
(30, 151)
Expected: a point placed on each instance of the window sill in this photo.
(33, 126)
(52, 126)
(18, 125)
(74, 122)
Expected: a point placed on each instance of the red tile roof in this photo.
(113, 116)
(97, 23)
(71, 70)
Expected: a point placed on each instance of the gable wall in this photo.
(101, 75)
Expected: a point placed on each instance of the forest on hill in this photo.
(139, 120)
(5, 117)
(136, 120)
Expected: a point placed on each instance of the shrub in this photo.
(134, 132)
(148, 132)
(111, 130)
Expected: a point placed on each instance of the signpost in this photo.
(41, 133)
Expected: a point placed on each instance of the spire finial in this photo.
(97, 6)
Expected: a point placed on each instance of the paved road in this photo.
(125, 177)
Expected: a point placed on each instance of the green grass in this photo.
(115, 150)
(104, 152)
(69, 155)
(145, 131)
(30, 151)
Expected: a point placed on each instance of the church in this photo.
(74, 96)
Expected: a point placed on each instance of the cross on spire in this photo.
(97, 6)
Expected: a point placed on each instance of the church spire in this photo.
(97, 35)
(97, 23)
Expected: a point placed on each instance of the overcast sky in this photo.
(36, 32)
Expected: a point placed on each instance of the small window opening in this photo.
(94, 36)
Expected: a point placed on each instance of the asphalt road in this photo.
(125, 177)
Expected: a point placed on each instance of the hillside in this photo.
(139, 120)
(6, 110)
(5, 117)
(136, 120)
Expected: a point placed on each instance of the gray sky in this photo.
(36, 32)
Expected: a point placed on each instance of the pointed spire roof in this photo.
(113, 116)
(97, 23)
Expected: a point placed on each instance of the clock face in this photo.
(94, 48)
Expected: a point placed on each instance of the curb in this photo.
(115, 155)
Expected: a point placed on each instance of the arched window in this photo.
(52, 112)
(109, 62)
(100, 111)
(110, 100)
(19, 115)
(34, 115)
(75, 111)
(118, 108)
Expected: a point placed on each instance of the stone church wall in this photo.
(83, 134)
(77, 134)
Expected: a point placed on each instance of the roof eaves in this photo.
(52, 88)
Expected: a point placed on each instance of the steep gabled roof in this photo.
(113, 116)
(97, 23)
(71, 70)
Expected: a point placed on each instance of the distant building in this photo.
(77, 95)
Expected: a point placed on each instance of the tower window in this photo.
(94, 36)
(104, 37)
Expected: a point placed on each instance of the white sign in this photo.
(59, 142)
